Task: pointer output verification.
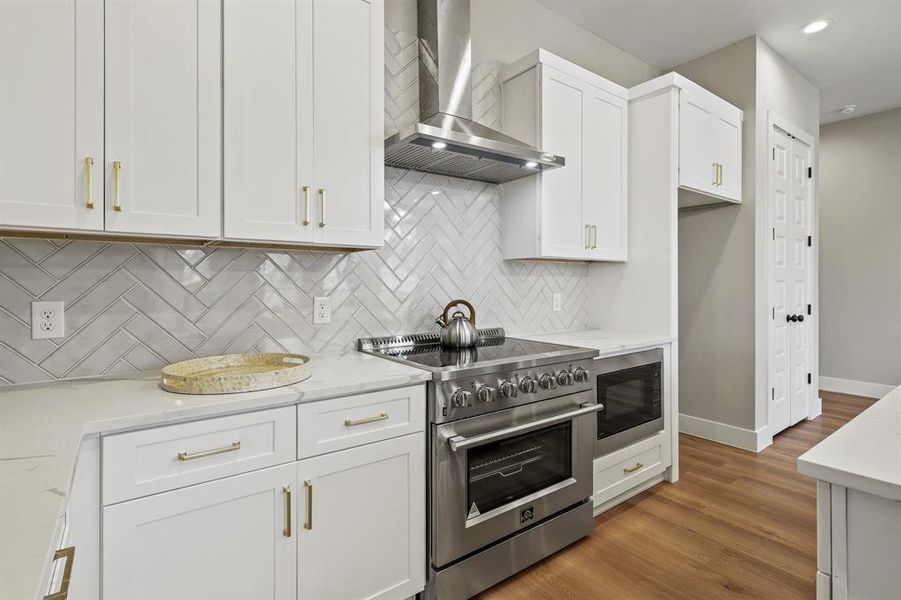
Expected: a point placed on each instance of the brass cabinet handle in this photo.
(286, 490)
(633, 468)
(721, 174)
(363, 421)
(306, 205)
(88, 193)
(186, 456)
(588, 237)
(594, 237)
(716, 172)
(117, 198)
(322, 207)
(308, 513)
(69, 554)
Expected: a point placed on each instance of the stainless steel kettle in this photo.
(458, 331)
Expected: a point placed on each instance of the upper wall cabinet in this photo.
(163, 125)
(709, 146)
(304, 94)
(51, 114)
(578, 211)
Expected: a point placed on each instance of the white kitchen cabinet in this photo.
(363, 521)
(230, 539)
(709, 145)
(303, 133)
(578, 211)
(163, 126)
(51, 102)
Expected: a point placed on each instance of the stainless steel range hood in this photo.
(446, 140)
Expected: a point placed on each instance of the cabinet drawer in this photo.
(355, 420)
(146, 462)
(612, 480)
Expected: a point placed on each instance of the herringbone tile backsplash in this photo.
(136, 307)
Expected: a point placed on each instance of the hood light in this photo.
(531, 164)
(816, 26)
(847, 110)
(438, 145)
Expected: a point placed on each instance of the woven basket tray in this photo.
(234, 373)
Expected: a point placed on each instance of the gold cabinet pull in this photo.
(88, 193)
(633, 468)
(286, 490)
(322, 207)
(716, 171)
(308, 513)
(306, 205)
(186, 456)
(720, 171)
(588, 237)
(69, 554)
(117, 198)
(363, 421)
(594, 237)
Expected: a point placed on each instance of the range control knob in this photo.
(460, 397)
(485, 393)
(547, 381)
(564, 377)
(528, 385)
(580, 375)
(508, 390)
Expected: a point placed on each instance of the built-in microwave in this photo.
(630, 388)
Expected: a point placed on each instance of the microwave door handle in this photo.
(459, 442)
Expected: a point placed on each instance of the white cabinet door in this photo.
(348, 130)
(604, 202)
(727, 134)
(563, 231)
(163, 98)
(51, 113)
(268, 114)
(363, 521)
(223, 540)
(697, 144)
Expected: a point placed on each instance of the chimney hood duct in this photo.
(446, 140)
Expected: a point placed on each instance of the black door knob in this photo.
(800, 318)
(792, 318)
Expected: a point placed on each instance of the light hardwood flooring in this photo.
(735, 525)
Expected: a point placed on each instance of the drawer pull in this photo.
(69, 554)
(363, 421)
(308, 514)
(287, 530)
(633, 468)
(185, 456)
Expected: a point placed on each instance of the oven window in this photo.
(507, 470)
(630, 397)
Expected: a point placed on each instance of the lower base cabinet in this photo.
(222, 540)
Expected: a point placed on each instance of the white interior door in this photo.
(163, 98)
(51, 113)
(790, 209)
(223, 540)
(563, 234)
(348, 88)
(268, 116)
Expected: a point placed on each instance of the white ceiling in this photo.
(855, 61)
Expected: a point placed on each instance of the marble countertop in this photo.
(606, 341)
(865, 454)
(41, 427)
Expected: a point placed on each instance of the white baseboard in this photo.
(817, 409)
(858, 388)
(746, 439)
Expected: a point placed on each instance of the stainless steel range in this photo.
(512, 430)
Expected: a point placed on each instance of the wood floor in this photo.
(735, 525)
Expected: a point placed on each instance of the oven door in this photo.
(630, 387)
(497, 473)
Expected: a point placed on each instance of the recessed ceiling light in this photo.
(435, 192)
(531, 164)
(815, 26)
(847, 110)
(439, 145)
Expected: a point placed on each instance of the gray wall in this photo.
(860, 249)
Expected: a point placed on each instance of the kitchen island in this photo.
(858, 473)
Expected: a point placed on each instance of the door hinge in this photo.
(809, 308)
(809, 379)
(773, 393)
(809, 172)
(809, 241)
(774, 153)
(774, 312)
(774, 233)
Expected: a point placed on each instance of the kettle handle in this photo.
(453, 303)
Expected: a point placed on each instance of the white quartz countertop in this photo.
(41, 426)
(606, 341)
(865, 454)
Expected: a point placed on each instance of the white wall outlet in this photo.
(48, 320)
(322, 310)
(558, 302)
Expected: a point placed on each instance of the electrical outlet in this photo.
(322, 310)
(558, 302)
(48, 320)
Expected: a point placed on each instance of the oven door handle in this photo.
(459, 442)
